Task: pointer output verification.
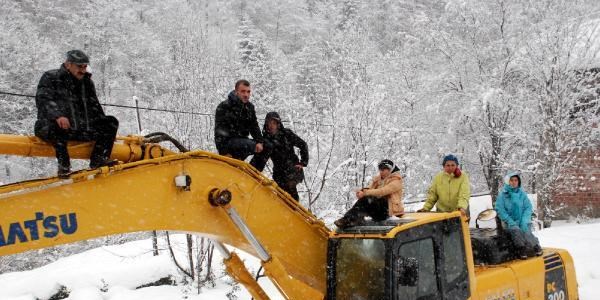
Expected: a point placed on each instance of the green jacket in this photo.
(448, 193)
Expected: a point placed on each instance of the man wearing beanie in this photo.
(450, 189)
(69, 110)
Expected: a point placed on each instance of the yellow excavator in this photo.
(419, 256)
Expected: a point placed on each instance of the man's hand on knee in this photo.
(259, 148)
(63, 123)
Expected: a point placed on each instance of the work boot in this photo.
(63, 172)
(104, 162)
(538, 250)
(63, 160)
(342, 223)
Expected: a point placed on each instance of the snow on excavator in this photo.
(420, 256)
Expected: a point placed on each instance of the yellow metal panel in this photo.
(530, 276)
(496, 283)
(288, 286)
(570, 273)
(235, 267)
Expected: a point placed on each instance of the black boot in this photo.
(63, 172)
(346, 222)
(342, 223)
(522, 253)
(104, 132)
(62, 157)
(102, 162)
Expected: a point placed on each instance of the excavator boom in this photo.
(150, 195)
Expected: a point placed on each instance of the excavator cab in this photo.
(412, 259)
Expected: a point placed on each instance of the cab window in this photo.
(421, 251)
(456, 276)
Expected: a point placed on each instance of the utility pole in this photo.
(139, 121)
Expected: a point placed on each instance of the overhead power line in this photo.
(123, 106)
(211, 115)
(16, 94)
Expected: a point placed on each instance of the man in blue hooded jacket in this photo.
(514, 209)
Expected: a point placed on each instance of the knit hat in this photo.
(450, 157)
(77, 57)
(388, 164)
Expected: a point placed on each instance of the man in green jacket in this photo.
(450, 189)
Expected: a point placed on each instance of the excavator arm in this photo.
(171, 192)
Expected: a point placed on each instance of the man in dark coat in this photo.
(235, 119)
(287, 168)
(68, 109)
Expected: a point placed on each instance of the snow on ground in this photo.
(114, 272)
(582, 241)
(118, 270)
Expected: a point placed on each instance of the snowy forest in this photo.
(503, 84)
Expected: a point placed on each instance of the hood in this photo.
(275, 116)
(396, 174)
(511, 174)
(393, 176)
(507, 186)
(234, 99)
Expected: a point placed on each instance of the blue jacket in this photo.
(513, 205)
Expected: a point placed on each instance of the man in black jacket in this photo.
(235, 119)
(68, 109)
(287, 168)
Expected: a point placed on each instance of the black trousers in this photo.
(523, 241)
(241, 148)
(103, 131)
(374, 207)
(288, 180)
